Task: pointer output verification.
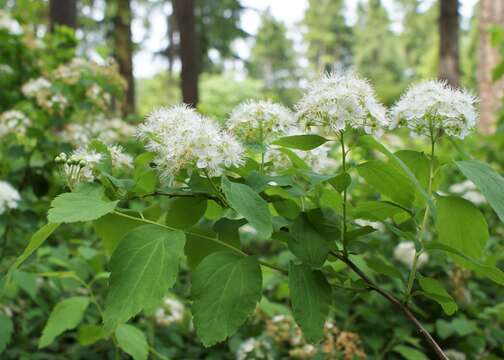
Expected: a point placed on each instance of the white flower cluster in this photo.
(183, 139)
(41, 90)
(9, 24)
(405, 252)
(434, 105)
(98, 97)
(13, 122)
(109, 131)
(253, 348)
(260, 122)
(80, 166)
(469, 191)
(9, 197)
(337, 101)
(318, 159)
(172, 312)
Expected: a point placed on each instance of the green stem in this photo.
(215, 188)
(215, 240)
(412, 275)
(344, 204)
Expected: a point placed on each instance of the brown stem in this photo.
(396, 302)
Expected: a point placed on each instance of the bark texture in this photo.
(123, 51)
(491, 93)
(189, 55)
(62, 12)
(449, 41)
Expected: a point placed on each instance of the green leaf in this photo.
(377, 210)
(383, 267)
(307, 244)
(296, 161)
(459, 326)
(88, 334)
(301, 142)
(461, 226)
(341, 182)
(249, 204)
(310, 297)
(491, 272)
(111, 228)
(6, 330)
(145, 177)
(37, 239)
(85, 204)
(388, 181)
(143, 267)
(199, 243)
(409, 353)
(26, 281)
(488, 181)
(372, 143)
(66, 315)
(132, 341)
(184, 212)
(435, 291)
(225, 289)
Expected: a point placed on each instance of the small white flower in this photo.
(81, 166)
(405, 253)
(341, 100)
(172, 312)
(260, 122)
(183, 139)
(9, 24)
(434, 105)
(33, 87)
(119, 157)
(13, 121)
(9, 197)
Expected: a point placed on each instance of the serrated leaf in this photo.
(307, 244)
(310, 297)
(301, 142)
(249, 204)
(225, 289)
(488, 181)
(36, 240)
(143, 267)
(461, 226)
(66, 315)
(388, 181)
(132, 341)
(184, 212)
(6, 330)
(85, 204)
(434, 290)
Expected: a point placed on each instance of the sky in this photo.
(289, 11)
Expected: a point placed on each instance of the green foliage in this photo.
(66, 315)
(226, 288)
(307, 244)
(488, 181)
(143, 267)
(249, 204)
(6, 329)
(311, 297)
(85, 204)
(435, 290)
(461, 225)
(132, 341)
(301, 142)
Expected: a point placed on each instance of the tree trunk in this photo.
(189, 56)
(449, 41)
(491, 93)
(62, 12)
(123, 51)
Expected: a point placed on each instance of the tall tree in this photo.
(491, 14)
(449, 68)
(62, 12)
(377, 50)
(123, 49)
(328, 37)
(274, 60)
(189, 54)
